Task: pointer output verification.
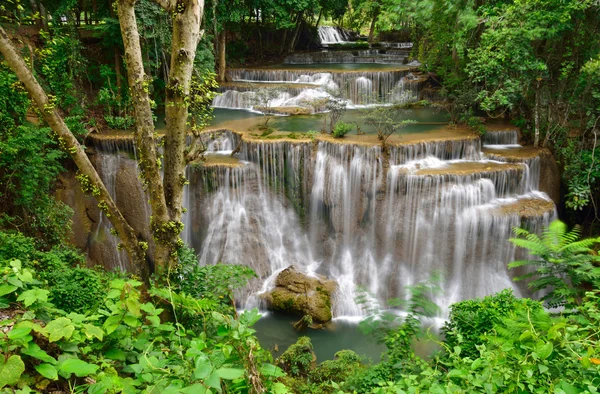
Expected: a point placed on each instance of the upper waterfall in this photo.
(331, 35)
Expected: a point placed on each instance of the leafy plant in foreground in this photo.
(564, 265)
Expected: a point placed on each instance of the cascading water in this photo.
(331, 35)
(358, 87)
(363, 217)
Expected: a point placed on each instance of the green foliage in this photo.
(470, 320)
(217, 283)
(345, 363)
(76, 289)
(125, 345)
(341, 129)
(299, 359)
(564, 265)
(31, 162)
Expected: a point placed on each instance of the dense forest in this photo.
(145, 74)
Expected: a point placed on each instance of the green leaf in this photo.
(59, 328)
(545, 350)
(197, 388)
(112, 323)
(203, 368)
(213, 380)
(48, 371)
(542, 368)
(30, 296)
(78, 367)
(279, 388)
(19, 332)
(11, 371)
(7, 289)
(131, 321)
(230, 373)
(92, 331)
(271, 370)
(115, 354)
(33, 350)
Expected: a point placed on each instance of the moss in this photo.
(299, 359)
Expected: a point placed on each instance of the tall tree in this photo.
(165, 192)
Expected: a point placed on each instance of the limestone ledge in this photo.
(527, 208)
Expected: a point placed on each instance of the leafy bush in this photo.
(76, 289)
(564, 264)
(124, 346)
(119, 122)
(299, 359)
(344, 364)
(470, 320)
(341, 129)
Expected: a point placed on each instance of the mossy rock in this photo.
(299, 359)
(298, 294)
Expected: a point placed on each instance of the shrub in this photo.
(471, 319)
(345, 364)
(76, 289)
(341, 129)
(299, 359)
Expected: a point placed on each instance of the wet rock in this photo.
(549, 176)
(299, 294)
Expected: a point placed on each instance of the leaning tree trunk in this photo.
(372, 28)
(89, 178)
(294, 39)
(165, 192)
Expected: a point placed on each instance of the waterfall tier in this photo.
(364, 56)
(332, 35)
(303, 87)
(381, 220)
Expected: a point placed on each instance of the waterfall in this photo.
(331, 35)
(358, 87)
(362, 56)
(365, 218)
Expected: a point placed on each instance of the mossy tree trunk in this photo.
(165, 192)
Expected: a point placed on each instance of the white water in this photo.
(331, 35)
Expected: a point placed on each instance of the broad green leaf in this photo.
(203, 368)
(115, 354)
(131, 321)
(33, 350)
(213, 380)
(11, 371)
(197, 388)
(92, 331)
(48, 371)
(78, 367)
(545, 350)
(30, 296)
(271, 370)
(133, 306)
(59, 328)
(112, 323)
(230, 373)
(279, 388)
(19, 332)
(7, 289)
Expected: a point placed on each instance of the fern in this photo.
(563, 264)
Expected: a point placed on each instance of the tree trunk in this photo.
(319, 18)
(536, 140)
(294, 39)
(222, 51)
(186, 35)
(91, 181)
(372, 28)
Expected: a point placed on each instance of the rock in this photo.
(299, 294)
(299, 359)
(550, 176)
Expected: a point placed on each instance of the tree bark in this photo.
(92, 183)
(222, 52)
(186, 35)
(294, 39)
(536, 139)
(372, 28)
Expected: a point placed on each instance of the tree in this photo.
(263, 99)
(165, 192)
(386, 121)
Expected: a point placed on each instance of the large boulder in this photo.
(302, 295)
